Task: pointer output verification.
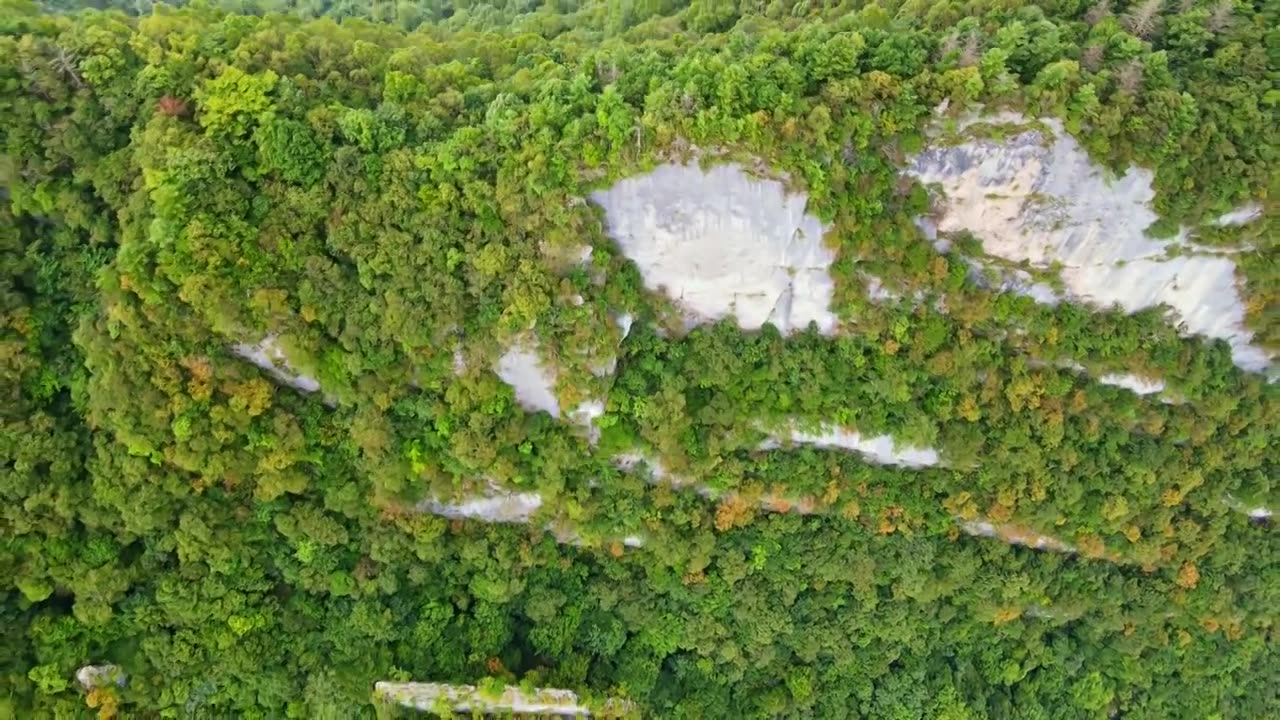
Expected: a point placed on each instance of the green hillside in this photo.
(378, 203)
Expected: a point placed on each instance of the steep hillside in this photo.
(710, 359)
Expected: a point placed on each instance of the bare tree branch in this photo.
(948, 46)
(1220, 18)
(1091, 58)
(1143, 19)
(66, 62)
(971, 52)
(1100, 10)
(1130, 78)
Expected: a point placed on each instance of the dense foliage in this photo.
(176, 181)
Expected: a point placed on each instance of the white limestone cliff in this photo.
(534, 384)
(96, 676)
(1133, 383)
(880, 449)
(722, 243)
(535, 387)
(1014, 535)
(1036, 197)
(1240, 216)
(498, 506)
(269, 356)
(511, 699)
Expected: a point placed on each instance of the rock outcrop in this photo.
(722, 243)
(471, 699)
(1036, 197)
(268, 355)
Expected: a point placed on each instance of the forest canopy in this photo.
(272, 268)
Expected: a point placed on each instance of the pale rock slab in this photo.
(1039, 198)
(1258, 512)
(269, 356)
(570, 536)
(722, 243)
(515, 509)
(1014, 535)
(1136, 384)
(878, 292)
(1045, 613)
(658, 475)
(631, 461)
(585, 415)
(534, 385)
(499, 506)
(1007, 532)
(1240, 216)
(96, 676)
(470, 699)
(880, 449)
(1019, 282)
(1133, 383)
(625, 321)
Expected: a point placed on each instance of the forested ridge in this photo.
(395, 193)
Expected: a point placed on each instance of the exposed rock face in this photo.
(721, 242)
(499, 506)
(522, 369)
(469, 699)
(1015, 535)
(535, 387)
(625, 321)
(1040, 199)
(880, 449)
(1240, 216)
(96, 676)
(1016, 281)
(658, 475)
(585, 415)
(270, 357)
(1255, 512)
(1010, 533)
(1133, 383)
(1137, 384)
